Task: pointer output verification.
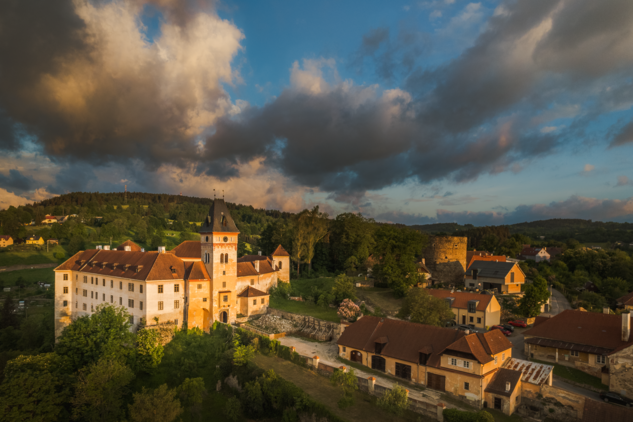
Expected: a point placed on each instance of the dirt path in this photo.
(27, 267)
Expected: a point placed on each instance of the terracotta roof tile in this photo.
(470, 345)
(196, 271)
(5, 237)
(498, 383)
(133, 246)
(528, 251)
(583, 328)
(252, 292)
(280, 251)
(462, 298)
(405, 339)
(470, 254)
(494, 258)
(188, 249)
(246, 269)
(252, 258)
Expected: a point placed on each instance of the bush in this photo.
(394, 401)
(60, 255)
(454, 415)
(233, 409)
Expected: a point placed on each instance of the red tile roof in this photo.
(462, 298)
(470, 254)
(188, 249)
(482, 345)
(196, 271)
(252, 258)
(252, 292)
(582, 328)
(133, 246)
(405, 339)
(626, 299)
(496, 258)
(245, 269)
(280, 251)
(531, 251)
(5, 237)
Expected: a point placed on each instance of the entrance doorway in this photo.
(497, 403)
(224, 317)
(356, 356)
(464, 319)
(436, 382)
(378, 363)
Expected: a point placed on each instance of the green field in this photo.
(30, 256)
(304, 308)
(383, 298)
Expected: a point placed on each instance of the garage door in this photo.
(437, 382)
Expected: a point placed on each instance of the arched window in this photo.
(221, 258)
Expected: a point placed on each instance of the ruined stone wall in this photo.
(334, 329)
(553, 403)
(445, 257)
(621, 372)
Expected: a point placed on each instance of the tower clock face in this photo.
(226, 239)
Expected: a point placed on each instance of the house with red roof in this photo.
(5, 240)
(534, 254)
(474, 309)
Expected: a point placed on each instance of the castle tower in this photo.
(445, 257)
(218, 243)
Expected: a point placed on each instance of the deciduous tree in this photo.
(419, 306)
(536, 295)
(159, 405)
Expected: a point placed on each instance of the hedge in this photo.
(454, 415)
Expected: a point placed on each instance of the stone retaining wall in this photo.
(316, 322)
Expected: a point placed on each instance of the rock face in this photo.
(274, 324)
(445, 257)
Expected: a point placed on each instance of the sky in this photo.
(489, 112)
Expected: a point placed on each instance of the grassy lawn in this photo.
(31, 257)
(576, 375)
(303, 308)
(304, 287)
(383, 298)
(45, 275)
(320, 389)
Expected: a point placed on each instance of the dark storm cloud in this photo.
(85, 92)
(624, 136)
(16, 182)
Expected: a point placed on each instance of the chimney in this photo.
(127, 248)
(257, 265)
(508, 386)
(606, 311)
(626, 326)
(142, 249)
(161, 249)
(259, 253)
(423, 261)
(106, 247)
(99, 247)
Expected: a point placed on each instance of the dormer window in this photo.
(424, 357)
(378, 348)
(173, 270)
(472, 306)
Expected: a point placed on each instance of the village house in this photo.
(598, 344)
(477, 310)
(197, 283)
(35, 240)
(553, 252)
(49, 219)
(506, 277)
(491, 258)
(128, 245)
(626, 301)
(5, 240)
(534, 254)
(424, 274)
(471, 366)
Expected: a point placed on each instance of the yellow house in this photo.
(479, 310)
(626, 302)
(506, 277)
(35, 240)
(5, 240)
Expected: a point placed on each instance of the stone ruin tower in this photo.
(445, 257)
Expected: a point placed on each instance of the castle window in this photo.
(92, 295)
(85, 307)
(280, 265)
(130, 287)
(176, 304)
(252, 281)
(600, 359)
(85, 293)
(140, 305)
(111, 299)
(199, 286)
(92, 280)
(65, 277)
(85, 279)
(103, 297)
(176, 288)
(207, 239)
(223, 272)
(65, 290)
(262, 301)
(140, 288)
(65, 303)
(130, 303)
(466, 364)
(160, 288)
(120, 285)
(111, 284)
(204, 299)
(121, 301)
(221, 258)
(224, 284)
(92, 307)
(225, 298)
(254, 301)
(76, 291)
(466, 386)
(160, 305)
(104, 282)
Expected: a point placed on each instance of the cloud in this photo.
(85, 82)
(624, 135)
(624, 181)
(461, 200)
(435, 15)
(16, 182)
(588, 168)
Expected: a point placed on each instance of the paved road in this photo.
(559, 303)
(27, 267)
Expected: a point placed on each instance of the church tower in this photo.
(218, 243)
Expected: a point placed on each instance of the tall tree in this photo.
(159, 405)
(419, 306)
(299, 240)
(100, 391)
(317, 225)
(536, 295)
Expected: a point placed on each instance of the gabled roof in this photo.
(626, 299)
(34, 237)
(133, 246)
(498, 383)
(188, 249)
(219, 219)
(462, 298)
(405, 339)
(470, 254)
(245, 269)
(252, 292)
(532, 251)
(491, 269)
(248, 268)
(195, 270)
(252, 258)
(497, 258)
(481, 345)
(5, 237)
(280, 251)
(600, 331)
(422, 268)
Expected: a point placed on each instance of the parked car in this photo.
(508, 327)
(518, 323)
(463, 327)
(616, 398)
(450, 323)
(500, 328)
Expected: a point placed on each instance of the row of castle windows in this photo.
(224, 258)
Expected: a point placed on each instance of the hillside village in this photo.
(456, 330)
